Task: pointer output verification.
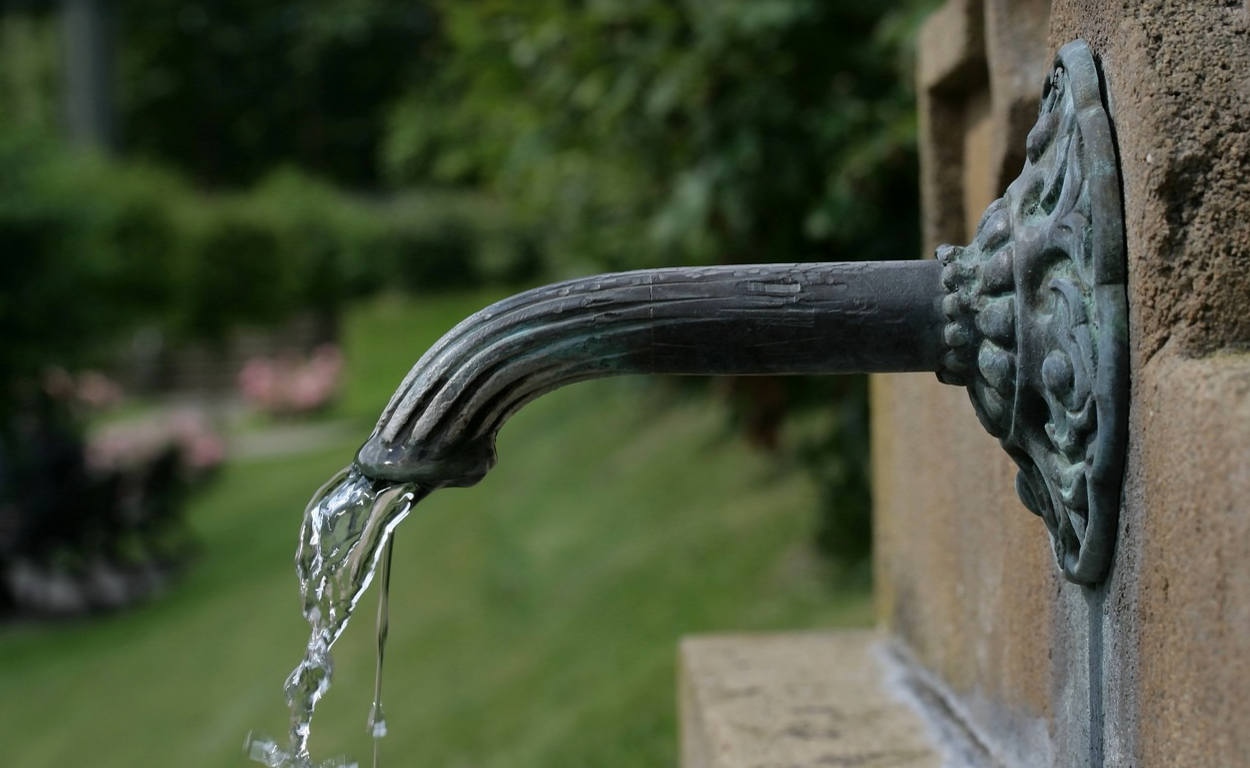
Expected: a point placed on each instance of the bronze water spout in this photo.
(440, 425)
(1030, 317)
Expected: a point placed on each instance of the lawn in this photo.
(534, 618)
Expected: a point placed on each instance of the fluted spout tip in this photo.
(456, 464)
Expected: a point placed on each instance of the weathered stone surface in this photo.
(797, 699)
(951, 52)
(1178, 623)
(1016, 65)
(964, 575)
(1179, 76)
(950, 60)
(1153, 667)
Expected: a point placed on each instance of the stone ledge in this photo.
(792, 700)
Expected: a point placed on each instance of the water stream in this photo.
(344, 541)
(377, 719)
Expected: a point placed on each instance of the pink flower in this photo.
(130, 447)
(290, 384)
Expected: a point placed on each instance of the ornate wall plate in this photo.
(1037, 323)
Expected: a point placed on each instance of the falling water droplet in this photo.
(377, 720)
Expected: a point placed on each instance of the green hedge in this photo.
(89, 247)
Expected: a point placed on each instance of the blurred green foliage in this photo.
(93, 247)
(78, 255)
(656, 132)
(29, 69)
(228, 91)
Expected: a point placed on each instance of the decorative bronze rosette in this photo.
(1037, 322)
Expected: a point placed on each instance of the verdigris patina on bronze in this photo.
(1037, 322)
(1030, 317)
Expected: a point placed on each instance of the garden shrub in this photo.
(92, 247)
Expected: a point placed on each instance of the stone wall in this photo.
(1152, 668)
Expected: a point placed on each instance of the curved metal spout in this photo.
(1030, 316)
(439, 428)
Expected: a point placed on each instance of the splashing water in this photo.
(346, 531)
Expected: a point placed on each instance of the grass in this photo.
(534, 617)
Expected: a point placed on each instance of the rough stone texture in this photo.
(951, 60)
(952, 47)
(965, 576)
(1179, 75)
(1017, 63)
(1153, 667)
(802, 699)
(1177, 666)
(979, 178)
(978, 83)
